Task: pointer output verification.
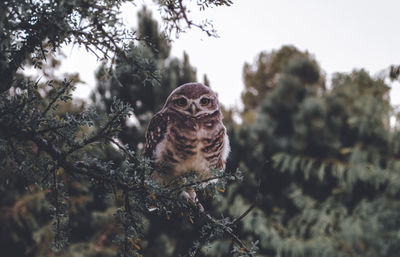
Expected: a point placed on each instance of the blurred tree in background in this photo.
(262, 78)
(321, 163)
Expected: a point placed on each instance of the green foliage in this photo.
(394, 72)
(261, 78)
(144, 76)
(321, 166)
(330, 166)
(68, 183)
(30, 30)
(55, 152)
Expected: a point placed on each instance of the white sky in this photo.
(342, 35)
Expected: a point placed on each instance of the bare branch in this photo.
(229, 231)
(244, 214)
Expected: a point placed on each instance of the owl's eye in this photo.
(181, 102)
(204, 101)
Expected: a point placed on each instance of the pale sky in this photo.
(342, 35)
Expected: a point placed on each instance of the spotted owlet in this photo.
(187, 135)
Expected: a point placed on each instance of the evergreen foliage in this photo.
(394, 72)
(262, 79)
(68, 184)
(329, 181)
(320, 164)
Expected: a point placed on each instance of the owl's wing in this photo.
(155, 133)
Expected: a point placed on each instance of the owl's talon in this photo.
(152, 208)
(191, 197)
(200, 207)
(185, 195)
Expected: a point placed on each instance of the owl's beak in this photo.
(193, 109)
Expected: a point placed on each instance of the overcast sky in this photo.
(342, 35)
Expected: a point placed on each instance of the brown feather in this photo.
(179, 142)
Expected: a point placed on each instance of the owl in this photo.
(187, 135)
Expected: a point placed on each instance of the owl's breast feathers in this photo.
(187, 144)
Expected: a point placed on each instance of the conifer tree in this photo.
(262, 77)
(321, 167)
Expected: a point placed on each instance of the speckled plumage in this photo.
(187, 135)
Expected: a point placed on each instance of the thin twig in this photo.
(62, 91)
(96, 137)
(56, 205)
(183, 12)
(195, 183)
(52, 128)
(122, 148)
(229, 231)
(244, 214)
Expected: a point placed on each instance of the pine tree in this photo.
(321, 167)
(262, 77)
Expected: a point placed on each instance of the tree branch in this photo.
(230, 233)
(244, 214)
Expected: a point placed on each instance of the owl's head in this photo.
(193, 99)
